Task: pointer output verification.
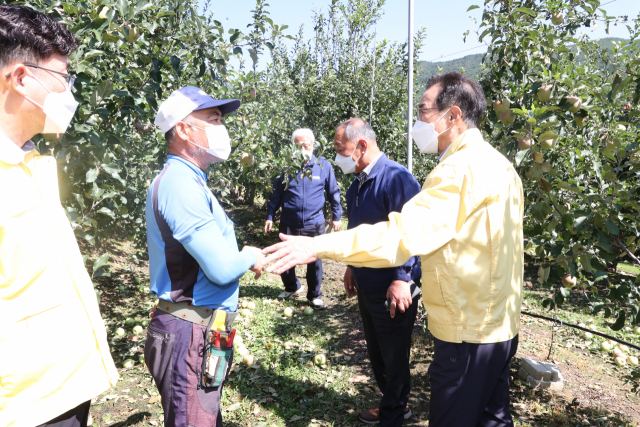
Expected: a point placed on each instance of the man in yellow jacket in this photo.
(466, 224)
(54, 356)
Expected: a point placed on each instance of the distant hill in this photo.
(471, 63)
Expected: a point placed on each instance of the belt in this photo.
(194, 313)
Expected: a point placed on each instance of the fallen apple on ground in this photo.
(308, 311)
(242, 350)
(137, 330)
(320, 359)
(288, 312)
(251, 305)
(632, 360)
(120, 332)
(606, 346)
(129, 363)
(620, 361)
(587, 336)
(247, 360)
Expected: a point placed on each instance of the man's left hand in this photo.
(400, 294)
(337, 225)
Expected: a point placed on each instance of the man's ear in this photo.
(181, 130)
(363, 145)
(456, 113)
(16, 79)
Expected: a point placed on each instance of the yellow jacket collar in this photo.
(10, 153)
(468, 137)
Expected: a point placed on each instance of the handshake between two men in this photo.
(299, 250)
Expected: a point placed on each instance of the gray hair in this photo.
(356, 129)
(303, 133)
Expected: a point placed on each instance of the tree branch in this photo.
(624, 248)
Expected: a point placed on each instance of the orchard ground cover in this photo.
(285, 387)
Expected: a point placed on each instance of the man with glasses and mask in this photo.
(381, 186)
(302, 202)
(54, 356)
(194, 261)
(466, 224)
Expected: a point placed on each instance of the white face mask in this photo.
(59, 108)
(305, 153)
(219, 142)
(347, 164)
(425, 135)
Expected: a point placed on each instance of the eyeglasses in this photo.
(422, 111)
(69, 78)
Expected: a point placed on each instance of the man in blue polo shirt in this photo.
(194, 260)
(381, 186)
(302, 215)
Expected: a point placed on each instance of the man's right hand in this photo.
(259, 265)
(268, 226)
(349, 283)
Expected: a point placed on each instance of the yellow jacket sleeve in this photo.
(427, 222)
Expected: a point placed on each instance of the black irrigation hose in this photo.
(562, 323)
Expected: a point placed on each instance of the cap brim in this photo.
(226, 106)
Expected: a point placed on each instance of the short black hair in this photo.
(463, 92)
(28, 35)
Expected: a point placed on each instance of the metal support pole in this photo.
(410, 91)
(373, 75)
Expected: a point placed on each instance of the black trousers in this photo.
(314, 269)
(388, 344)
(470, 384)
(76, 417)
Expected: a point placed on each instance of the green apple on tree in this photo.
(569, 281)
(544, 93)
(501, 106)
(557, 18)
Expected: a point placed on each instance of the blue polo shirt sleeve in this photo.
(275, 200)
(333, 191)
(188, 215)
(400, 189)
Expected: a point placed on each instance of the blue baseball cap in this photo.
(185, 101)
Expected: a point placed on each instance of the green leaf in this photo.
(92, 175)
(254, 56)
(473, 7)
(107, 211)
(612, 227)
(142, 5)
(520, 155)
(619, 323)
(123, 8)
(527, 11)
(100, 261)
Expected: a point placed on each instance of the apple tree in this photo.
(565, 111)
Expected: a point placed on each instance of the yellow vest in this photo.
(466, 224)
(53, 343)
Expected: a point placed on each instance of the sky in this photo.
(444, 22)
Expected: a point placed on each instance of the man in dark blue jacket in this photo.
(381, 186)
(302, 215)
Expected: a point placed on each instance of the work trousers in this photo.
(314, 269)
(76, 417)
(470, 384)
(388, 343)
(173, 354)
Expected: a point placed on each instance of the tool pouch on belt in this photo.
(216, 359)
(215, 363)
